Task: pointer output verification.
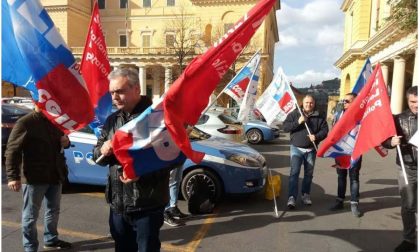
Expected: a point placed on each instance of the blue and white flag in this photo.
(36, 57)
(363, 77)
(144, 145)
(238, 86)
(251, 91)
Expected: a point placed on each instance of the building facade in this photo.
(160, 37)
(369, 33)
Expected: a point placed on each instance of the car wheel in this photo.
(210, 177)
(254, 136)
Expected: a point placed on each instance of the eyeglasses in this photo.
(346, 101)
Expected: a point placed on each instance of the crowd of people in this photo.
(139, 206)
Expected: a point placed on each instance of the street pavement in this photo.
(248, 223)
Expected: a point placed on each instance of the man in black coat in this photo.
(302, 147)
(406, 125)
(136, 205)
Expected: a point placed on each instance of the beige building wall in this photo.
(155, 60)
(367, 33)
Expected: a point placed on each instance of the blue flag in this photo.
(36, 57)
(363, 77)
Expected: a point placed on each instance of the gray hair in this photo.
(130, 73)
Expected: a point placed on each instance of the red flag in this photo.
(189, 94)
(95, 68)
(377, 123)
(371, 111)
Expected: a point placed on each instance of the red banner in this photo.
(95, 67)
(371, 111)
(189, 95)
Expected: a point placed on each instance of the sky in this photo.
(310, 40)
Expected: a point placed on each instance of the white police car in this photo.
(227, 167)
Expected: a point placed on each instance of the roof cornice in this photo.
(345, 5)
(221, 2)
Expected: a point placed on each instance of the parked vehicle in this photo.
(22, 101)
(222, 125)
(227, 167)
(10, 113)
(257, 131)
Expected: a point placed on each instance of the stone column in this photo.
(156, 85)
(398, 78)
(385, 73)
(142, 78)
(168, 77)
(416, 70)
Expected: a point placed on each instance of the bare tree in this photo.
(182, 36)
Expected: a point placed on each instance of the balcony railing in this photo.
(130, 51)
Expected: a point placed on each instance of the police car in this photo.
(228, 167)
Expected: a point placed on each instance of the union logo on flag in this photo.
(286, 103)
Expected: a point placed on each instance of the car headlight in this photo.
(244, 160)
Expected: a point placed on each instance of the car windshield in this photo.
(197, 134)
(228, 119)
(14, 110)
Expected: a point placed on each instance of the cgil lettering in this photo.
(54, 110)
(377, 103)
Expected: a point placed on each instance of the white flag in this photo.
(278, 99)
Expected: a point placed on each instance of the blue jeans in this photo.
(175, 178)
(297, 158)
(33, 196)
(139, 232)
(354, 182)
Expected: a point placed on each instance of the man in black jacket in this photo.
(136, 205)
(35, 162)
(302, 147)
(406, 125)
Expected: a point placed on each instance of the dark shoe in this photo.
(59, 244)
(177, 214)
(355, 209)
(406, 246)
(337, 206)
(171, 221)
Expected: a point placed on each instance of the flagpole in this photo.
(276, 212)
(215, 100)
(402, 164)
(300, 111)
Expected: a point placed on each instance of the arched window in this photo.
(207, 35)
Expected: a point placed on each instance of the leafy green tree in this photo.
(404, 12)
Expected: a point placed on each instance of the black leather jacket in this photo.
(406, 125)
(150, 191)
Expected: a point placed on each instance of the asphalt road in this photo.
(246, 223)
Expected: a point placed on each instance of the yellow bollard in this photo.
(272, 182)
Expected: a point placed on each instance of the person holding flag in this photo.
(36, 164)
(136, 204)
(406, 126)
(353, 172)
(303, 147)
